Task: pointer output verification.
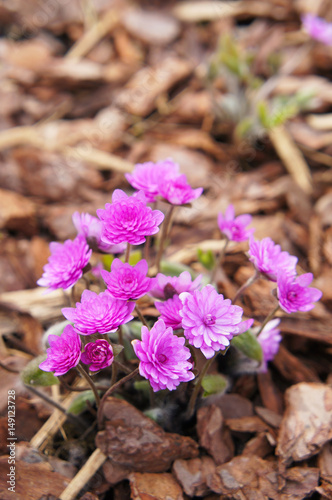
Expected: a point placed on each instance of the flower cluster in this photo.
(200, 315)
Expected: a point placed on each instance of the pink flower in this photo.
(66, 263)
(294, 293)
(90, 227)
(97, 354)
(269, 339)
(170, 312)
(318, 28)
(234, 228)
(163, 357)
(99, 313)
(209, 321)
(177, 191)
(64, 352)
(126, 282)
(268, 258)
(165, 287)
(128, 219)
(148, 176)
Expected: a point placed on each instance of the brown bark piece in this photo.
(232, 405)
(247, 478)
(151, 27)
(154, 487)
(193, 474)
(32, 480)
(307, 422)
(134, 442)
(270, 394)
(139, 97)
(291, 368)
(17, 213)
(258, 446)
(247, 424)
(212, 434)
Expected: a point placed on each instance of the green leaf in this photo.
(80, 402)
(33, 375)
(213, 384)
(248, 344)
(263, 114)
(206, 258)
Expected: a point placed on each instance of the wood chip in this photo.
(307, 422)
(154, 487)
(193, 475)
(212, 434)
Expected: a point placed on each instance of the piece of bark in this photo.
(246, 478)
(140, 95)
(212, 434)
(152, 27)
(231, 405)
(247, 424)
(269, 416)
(308, 328)
(291, 368)
(269, 392)
(154, 487)
(193, 474)
(325, 461)
(258, 446)
(134, 443)
(307, 423)
(17, 213)
(32, 480)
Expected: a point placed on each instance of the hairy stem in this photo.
(127, 253)
(197, 388)
(91, 383)
(110, 391)
(219, 260)
(246, 285)
(164, 232)
(268, 318)
(140, 315)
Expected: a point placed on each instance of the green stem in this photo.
(218, 261)
(197, 388)
(267, 319)
(246, 285)
(89, 380)
(127, 253)
(110, 391)
(165, 230)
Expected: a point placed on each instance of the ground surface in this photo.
(89, 89)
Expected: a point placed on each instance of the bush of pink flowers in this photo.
(193, 317)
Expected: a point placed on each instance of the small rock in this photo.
(154, 28)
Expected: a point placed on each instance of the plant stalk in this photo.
(89, 380)
(165, 230)
(267, 319)
(246, 285)
(197, 388)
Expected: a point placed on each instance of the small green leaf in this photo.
(33, 375)
(80, 402)
(263, 114)
(206, 258)
(213, 384)
(248, 344)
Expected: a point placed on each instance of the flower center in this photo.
(209, 320)
(161, 358)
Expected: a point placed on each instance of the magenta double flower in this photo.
(98, 355)
(210, 321)
(64, 352)
(163, 357)
(100, 313)
(65, 264)
(268, 258)
(127, 282)
(235, 228)
(294, 293)
(128, 219)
